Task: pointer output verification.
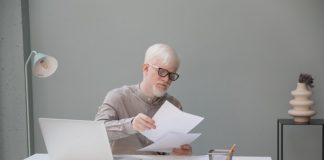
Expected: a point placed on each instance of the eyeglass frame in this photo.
(168, 73)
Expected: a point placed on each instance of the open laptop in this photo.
(75, 139)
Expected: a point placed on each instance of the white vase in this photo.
(301, 104)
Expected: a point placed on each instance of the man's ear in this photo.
(145, 68)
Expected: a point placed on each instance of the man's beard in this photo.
(157, 92)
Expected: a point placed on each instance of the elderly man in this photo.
(127, 111)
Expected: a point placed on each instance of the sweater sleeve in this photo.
(108, 112)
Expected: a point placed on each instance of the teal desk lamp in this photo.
(42, 66)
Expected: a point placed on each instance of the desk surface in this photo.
(151, 157)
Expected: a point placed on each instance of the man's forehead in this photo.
(169, 63)
(172, 67)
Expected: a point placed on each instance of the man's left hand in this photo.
(185, 149)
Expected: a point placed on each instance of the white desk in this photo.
(202, 157)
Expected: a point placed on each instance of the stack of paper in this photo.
(172, 129)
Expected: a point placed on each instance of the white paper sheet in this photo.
(171, 119)
(171, 140)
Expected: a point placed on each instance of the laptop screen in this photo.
(75, 139)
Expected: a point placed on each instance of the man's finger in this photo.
(186, 146)
(185, 149)
(147, 118)
(147, 121)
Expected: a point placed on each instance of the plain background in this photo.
(239, 62)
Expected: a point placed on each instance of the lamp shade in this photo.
(44, 65)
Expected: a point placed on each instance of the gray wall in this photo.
(12, 90)
(240, 60)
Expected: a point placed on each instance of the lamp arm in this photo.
(27, 105)
(28, 59)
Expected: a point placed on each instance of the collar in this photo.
(149, 100)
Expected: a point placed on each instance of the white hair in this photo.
(162, 52)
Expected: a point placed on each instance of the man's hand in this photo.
(183, 150)
(143, 122)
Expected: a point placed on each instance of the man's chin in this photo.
(159, 93)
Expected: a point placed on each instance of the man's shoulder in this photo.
(123, 90)
(119, 94)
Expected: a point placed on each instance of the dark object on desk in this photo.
(280, 126)
(222, 153)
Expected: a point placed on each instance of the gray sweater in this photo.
(119, 108)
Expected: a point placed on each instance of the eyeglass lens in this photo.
(172, 76)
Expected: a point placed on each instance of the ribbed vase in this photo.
(301, 104)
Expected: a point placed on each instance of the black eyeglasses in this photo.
(163, 72)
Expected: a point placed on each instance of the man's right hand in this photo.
(143, 122)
